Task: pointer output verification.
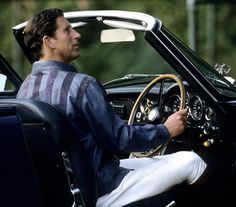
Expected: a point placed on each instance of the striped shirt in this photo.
(83, 99)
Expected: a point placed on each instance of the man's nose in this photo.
(77, 35)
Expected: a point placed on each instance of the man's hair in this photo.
(41, 24)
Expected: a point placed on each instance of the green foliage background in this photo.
(173, 14)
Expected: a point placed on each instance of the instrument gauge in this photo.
(146, 106)
(187, 99)
(196, 108)
(174, 103)
(209, 114)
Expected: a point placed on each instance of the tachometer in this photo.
(196, 108)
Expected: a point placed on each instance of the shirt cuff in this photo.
(164, 133)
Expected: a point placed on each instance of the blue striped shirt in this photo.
(83, 99)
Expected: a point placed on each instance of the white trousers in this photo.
(152, 176)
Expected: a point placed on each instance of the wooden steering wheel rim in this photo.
(139, 100)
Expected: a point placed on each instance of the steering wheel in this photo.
(159, 149)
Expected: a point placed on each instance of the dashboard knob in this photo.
(207, 128)
(208, 142)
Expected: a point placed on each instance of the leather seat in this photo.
(48, 134)
(61, 166)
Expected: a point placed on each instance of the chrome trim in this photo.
(147, 22)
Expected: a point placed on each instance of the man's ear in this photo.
(48, 42)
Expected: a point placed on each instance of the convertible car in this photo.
(164, 76)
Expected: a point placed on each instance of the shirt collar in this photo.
(43, 65)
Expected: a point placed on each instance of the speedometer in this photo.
(174, 103)
(196, 108)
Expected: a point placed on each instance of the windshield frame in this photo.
(190, 65)
(208, 71)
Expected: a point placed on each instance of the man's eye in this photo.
(67, 31)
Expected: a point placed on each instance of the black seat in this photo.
(62, 169)
(19, 184)
(48, 134)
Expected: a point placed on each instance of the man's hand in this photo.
(176, 123)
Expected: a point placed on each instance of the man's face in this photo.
(66, 41)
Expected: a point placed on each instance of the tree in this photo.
(172, 13)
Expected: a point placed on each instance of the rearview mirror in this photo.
(117, 35)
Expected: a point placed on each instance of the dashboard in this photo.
(202, 127)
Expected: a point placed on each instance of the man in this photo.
(54, 43)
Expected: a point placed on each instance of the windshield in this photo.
(111, 60)
(212, 75)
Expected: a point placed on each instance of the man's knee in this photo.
(193, 164)
(190, 158)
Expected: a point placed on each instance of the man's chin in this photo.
(75, 56)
